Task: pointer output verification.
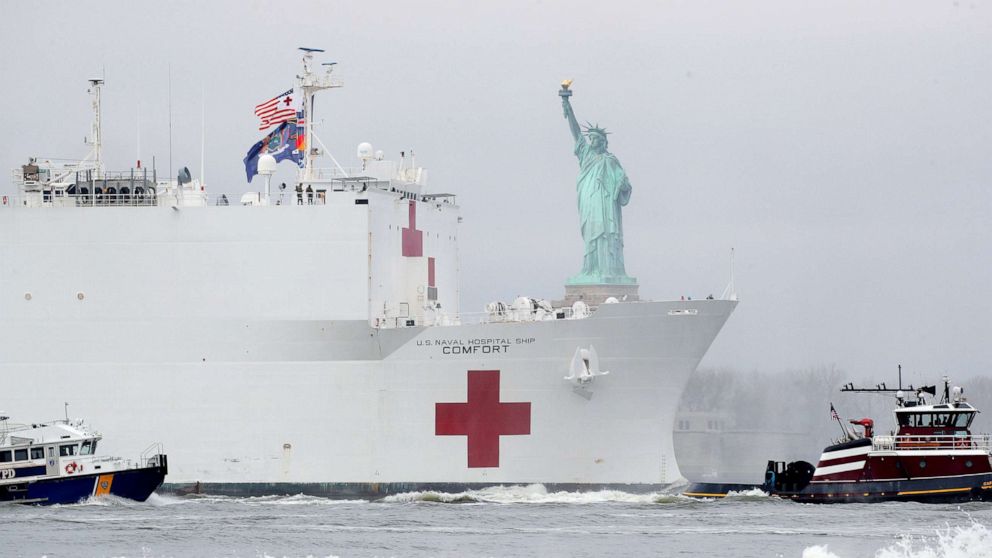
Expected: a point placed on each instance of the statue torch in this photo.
(565, 93)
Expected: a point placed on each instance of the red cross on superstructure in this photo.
(288, 100)
(413, 240)
(483, 419)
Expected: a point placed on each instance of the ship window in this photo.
(21, 454)
(51, 451)
(6, 457)
(66, 451)
(86, 448)
(37, 453)
(923, 464)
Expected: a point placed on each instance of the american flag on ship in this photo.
(276, 110)
(833, 412)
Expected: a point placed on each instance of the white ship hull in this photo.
(369, 425)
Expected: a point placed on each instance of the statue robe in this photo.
(602, 188)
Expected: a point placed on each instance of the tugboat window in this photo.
(5, 457)
(967, 464)
(85, 450)
(923, 464)
(21, 454)
(37, 453)
(963, 419)
(66, 451)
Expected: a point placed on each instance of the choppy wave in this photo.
(747, 494)
(972, 541)
(293, 500)
(530, 494)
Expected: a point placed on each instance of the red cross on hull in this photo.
(483, 419)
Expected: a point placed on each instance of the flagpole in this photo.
(833, 413)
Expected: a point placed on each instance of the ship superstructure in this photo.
(313, 342)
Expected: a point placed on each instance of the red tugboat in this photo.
(934, 457)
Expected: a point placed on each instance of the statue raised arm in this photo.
(573, 125)
(603, 189)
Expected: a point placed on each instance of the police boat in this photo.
(57, 463)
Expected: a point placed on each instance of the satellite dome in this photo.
(267, 164)
(379, 155)
(365, 151)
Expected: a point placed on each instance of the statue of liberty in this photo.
(603, 189)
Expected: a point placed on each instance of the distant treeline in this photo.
(799, 400)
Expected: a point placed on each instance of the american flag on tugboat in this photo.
(276, 110)
(833, 412)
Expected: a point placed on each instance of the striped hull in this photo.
(133, 484)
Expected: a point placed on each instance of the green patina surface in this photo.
(603, 189)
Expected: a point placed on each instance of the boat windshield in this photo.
(938, 420)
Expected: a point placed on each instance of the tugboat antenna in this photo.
(879, 388)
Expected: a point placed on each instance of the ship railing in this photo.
(442, 319)
(510, 315)
(144, 199)
(982, 442)
(152, 455)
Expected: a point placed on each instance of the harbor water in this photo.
(512, 521)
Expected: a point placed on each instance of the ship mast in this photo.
(96, 132)
(309, 84)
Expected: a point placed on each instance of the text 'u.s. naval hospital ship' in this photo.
(150, 305)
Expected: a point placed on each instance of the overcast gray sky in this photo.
(841, 147)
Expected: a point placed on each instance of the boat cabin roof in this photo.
(942, 408)
(46, 433)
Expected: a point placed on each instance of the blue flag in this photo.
(280, 143)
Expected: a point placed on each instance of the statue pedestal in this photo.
(594, 295)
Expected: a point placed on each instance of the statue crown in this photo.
(595, 129)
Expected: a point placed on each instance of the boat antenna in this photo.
(170, 120)
(730, 293)
(67, 412)
(138, 143)
(900, 377)
(203, 134)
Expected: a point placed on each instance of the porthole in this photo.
(923, 464)
(967, 463)
(27, 296)
(80, 296)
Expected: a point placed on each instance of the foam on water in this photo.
(972, 541)
(818, 551)
(529, 494)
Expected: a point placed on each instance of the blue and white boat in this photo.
(57, 463)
